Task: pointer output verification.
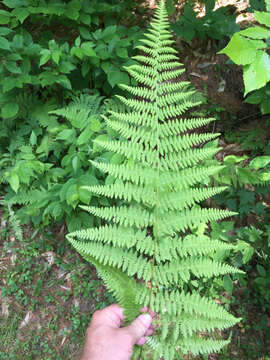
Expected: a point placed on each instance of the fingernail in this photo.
(146, 319)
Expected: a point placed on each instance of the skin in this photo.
(107, 340)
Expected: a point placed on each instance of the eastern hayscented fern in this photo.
(147, 254)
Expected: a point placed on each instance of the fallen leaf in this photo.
(49, 255)
(5, 311)
(26, 320)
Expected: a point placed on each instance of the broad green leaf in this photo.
(20, 13)
(13, 57)
(228, 284)
(14, 181)
(95, 124)
(108, 33)
(85, 136)
(72, 14)
(66, 67)
(102, 52)
(45, 56)
(17, 41)
(85, 68)
(77, 41)
(64, 81)
(241, 50)
(4, 43)
(9, 110)
(12, 3)
(254, 98)
(262, 17)
(264, 176)
(170, 7)
(85, 19)
(44, 145)
(257, 74)
(232, 159)
(245, 176)
(85, 33)
(56, 56)
(87, 49)
(33, 138)
(88, 180)
(246, 250)
(256, 32)
(122, 53)
(4, 17)
(105, 66)
(77, 52)
(4, 30)
(84, 195)
(75, 163)
(72, 195)
(57, 211)
(261, 270)
(265, 107)
(9, 83)
(13, 67)
(116, 77)
(97, 147)
(65, 134)
(116, 159)
(259, 162)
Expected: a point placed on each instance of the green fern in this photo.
(147, 255)
(80, 110)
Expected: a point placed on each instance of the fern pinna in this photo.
(147, 254)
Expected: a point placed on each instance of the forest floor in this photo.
(48, 292)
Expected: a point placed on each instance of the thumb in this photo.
(137, 329)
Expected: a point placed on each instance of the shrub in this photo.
(248, 48)
(49, 173)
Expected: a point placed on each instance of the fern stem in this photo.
(158, 170)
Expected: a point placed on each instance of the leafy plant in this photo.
(248, 48)
(241, 195)
(48, 175)
(254, 140)
(214, 24)
(49, 53)
(147, 254)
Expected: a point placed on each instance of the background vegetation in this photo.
(60, 63)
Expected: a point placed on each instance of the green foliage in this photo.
(49, 174)
(255, 140)
(248, 48)
(49, 53)
(241, 196)
(149, 236)
(258, 5)
(214, 24)
(91, 45)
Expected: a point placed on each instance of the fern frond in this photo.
(147, 254)
(125, 192)
(79, 111)
(127, 216)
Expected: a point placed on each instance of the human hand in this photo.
(107, 340)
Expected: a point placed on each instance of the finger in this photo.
(149, 332)
(141, 341)
(138, 327)
(110, 316)
(146, 309)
